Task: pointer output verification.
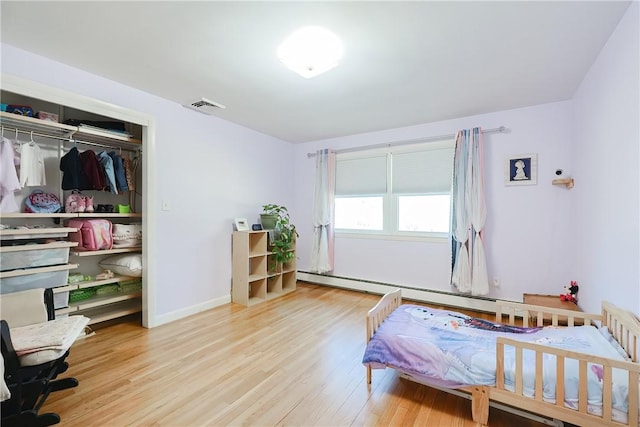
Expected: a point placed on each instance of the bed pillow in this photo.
(612, 340)
(126, 265)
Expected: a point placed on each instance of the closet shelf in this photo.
(34, 233)
(52, 245)
(61, 131)
(116, 279)
(106, 299)
(37, 270)
(109, 215)
(103, 136)
(30, 124)
(107, 251)
(25, 215)
(112, 311)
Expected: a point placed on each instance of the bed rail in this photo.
(579, 416)
(624, 326)
(536, 313)
(389, 302)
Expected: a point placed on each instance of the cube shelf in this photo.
(254, 278)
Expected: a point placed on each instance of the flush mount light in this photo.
(310, 51)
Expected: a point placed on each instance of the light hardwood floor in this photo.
(294, 361)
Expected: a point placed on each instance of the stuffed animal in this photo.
(571, 293)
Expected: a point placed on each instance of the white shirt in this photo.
(31, 165)
(8, 177)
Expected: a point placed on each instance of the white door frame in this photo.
(65, 98)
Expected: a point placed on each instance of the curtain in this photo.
(323, 201)
(468, 215)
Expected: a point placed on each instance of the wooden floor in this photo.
(294, 361)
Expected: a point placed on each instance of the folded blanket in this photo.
(58, 334)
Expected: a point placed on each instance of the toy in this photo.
(571, 293)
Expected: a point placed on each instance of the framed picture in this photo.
(242, 224)
(521, 170)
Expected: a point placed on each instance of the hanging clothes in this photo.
(72, 173)
(93, 172)
(9, 181)
(118, 168)
(107, 164)
(129, 173)
(31, 165)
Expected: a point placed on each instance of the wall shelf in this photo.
(567, 182)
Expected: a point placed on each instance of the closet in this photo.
(36, 249)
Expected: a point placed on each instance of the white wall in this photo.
(527, 226)
(206, 168)
(605, 213)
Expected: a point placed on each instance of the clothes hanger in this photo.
(32, 142)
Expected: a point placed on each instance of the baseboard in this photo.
(423, 295)
(188, 311)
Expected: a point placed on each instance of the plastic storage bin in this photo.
(33, 258)
(61, 300)
(50, 279)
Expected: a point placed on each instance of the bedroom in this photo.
(570, 253)
(599, 121)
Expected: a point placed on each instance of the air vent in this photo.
(205, 106)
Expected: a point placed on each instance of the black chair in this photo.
(32, 377)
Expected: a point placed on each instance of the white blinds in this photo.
(418, 169)
(364, 175)
(422, 172)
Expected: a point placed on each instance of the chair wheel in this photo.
(63, 384)
(47, 419)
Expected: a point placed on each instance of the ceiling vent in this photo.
(204, 106)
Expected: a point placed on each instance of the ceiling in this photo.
(405, 63)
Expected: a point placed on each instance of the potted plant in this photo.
(285, 233)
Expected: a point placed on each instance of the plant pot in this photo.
(268, 221)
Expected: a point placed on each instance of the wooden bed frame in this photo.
(623, 325)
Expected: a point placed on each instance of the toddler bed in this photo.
(515, 366)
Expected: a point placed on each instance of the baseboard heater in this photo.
(467, 302)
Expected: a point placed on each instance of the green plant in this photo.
(285, 233)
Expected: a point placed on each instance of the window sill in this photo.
(443, 238)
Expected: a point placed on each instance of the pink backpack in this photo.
(92, 234)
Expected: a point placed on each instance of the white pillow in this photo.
(612, 340)
(127, 264)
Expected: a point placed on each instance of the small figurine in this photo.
(571, 293)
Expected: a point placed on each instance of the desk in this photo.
(551, 301)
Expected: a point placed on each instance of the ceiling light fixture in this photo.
(310, 51)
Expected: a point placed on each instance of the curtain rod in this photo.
(500, 129)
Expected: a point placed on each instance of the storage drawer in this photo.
(36, 257)
(61, 300)
(49, 279)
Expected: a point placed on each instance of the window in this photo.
(395, 191)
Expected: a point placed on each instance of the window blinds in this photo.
(419, 169)
(422, 172)
(361, 176)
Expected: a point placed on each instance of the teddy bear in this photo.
(571, 293)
